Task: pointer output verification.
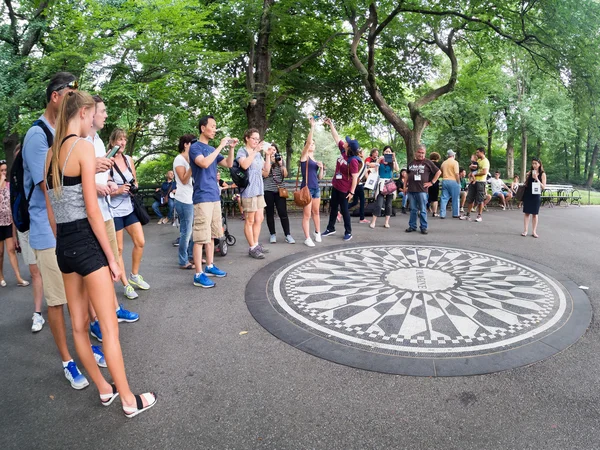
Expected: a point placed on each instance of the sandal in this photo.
(23, 283)
(2, 283)
(107, 399)
(130, 412)
(535, 235)
(524, 234)
(189, 266)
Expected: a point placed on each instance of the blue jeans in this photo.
(186, 219)
(156, 208)
(418, 202)
(450, 189)
(404, 198)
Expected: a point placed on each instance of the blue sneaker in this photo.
(214, 271)
(99, 356)
(95, 330)
(72, 373)
(203, 281)
(327, 233)
(347, 237)
(126, 316)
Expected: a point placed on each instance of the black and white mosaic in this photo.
(418, 300)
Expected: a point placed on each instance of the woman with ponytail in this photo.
(83, 251)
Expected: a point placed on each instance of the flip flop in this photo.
(187, 267)
(25, 283)
(523, 234)
(535, 236)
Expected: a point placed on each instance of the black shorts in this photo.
(476, 192)
(5, 232)
(124, 222)
(77, 248)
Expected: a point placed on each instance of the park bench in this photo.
(555, 194)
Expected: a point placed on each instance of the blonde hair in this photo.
(69, 108)
(117, 134)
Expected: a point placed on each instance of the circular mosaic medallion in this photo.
(442, 306)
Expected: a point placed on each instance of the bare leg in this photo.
(137, 236)
(12, 256)
(259, 216)
(56, 319)
(1, 260)
(387, 221)
(249, 228)
(534, 224)
(209, 249)
(316, 215)
(434, 207)
(525, 224)
(37, 287)
(120, 260)
(306, 220)
(198, 256)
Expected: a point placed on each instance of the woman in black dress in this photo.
(531, 201)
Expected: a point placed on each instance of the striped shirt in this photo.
(274, 179)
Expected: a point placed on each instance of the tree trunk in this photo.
(538, 147)
(523, 150)
(510, 156)
(490, 133)
(566, 161)
(9, 144)
(288, 144)
(593, 163)
(588, 151)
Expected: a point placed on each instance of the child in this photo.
(474, 168)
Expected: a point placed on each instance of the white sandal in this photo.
(2, 283)
(107, 399)
(150, 398)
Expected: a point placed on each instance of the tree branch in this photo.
(314, 54)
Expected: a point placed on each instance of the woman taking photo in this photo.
(314, 173)
(434, 189)
(273, 179)
(7, 231)
(532, 197)
(83, 251)
(386, 171)
(253, 195)
(124, 216)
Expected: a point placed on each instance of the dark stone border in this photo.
(528, 353)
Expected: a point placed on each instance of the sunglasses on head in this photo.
(2, 161)
(71, 85)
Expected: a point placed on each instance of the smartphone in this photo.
(316, 116)
(113, 151)
(389, 158)
(266, 146)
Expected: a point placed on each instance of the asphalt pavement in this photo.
(223, 382)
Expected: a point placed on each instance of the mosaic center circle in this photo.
(418, 279)
(419, 300)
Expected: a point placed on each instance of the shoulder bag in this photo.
(282, 191)
(137, 203)
(302, 197)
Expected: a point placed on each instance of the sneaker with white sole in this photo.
(138, 281)
(124, 315)
(99, 356)
(309, 242)
(347, 237)
(214, 271)
(256, 253)
(130, 292)
(327, 233)
(262, 249)
(273, 239)
(318, 237)
(38, 323)
(203, 281)
(479, 219)
(75, 377)
(95, 330)
(289, 239)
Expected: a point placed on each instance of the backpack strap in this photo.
(49, 136)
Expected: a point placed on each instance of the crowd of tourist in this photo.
(81, 199)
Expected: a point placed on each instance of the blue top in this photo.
(168, 187)
(35, 149)
(385, 170)
(256, 185)
(206, 189)
(313, 174)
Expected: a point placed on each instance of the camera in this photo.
(277, 157)
(133, 189)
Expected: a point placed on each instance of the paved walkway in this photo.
(221, 388)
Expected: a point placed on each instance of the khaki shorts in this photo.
(207, 222)
(54, 288)
(112, 237)
(26, 251)
(253, 204)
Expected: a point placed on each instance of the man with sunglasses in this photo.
(41, 238)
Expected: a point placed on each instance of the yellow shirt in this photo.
(450, 169)
(482, 164)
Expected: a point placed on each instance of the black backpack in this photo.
(238, 175)
(19, 202)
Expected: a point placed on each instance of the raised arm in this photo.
(309, 140)
(334, 133)
(228, 162)
(205, 161)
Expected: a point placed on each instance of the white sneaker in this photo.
(462, 210)
(309, 242)
(318, 237)
(504, 208)
(38, 323)
(273, 239)
(479, 219)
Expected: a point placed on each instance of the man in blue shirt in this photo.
(41, 238)
(207, 198)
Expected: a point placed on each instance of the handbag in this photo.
(389, 187)
(372, 180)
(282, 191)
(302, 197)
(139, 210)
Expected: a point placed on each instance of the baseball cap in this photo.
(450, 153)
(353, 144)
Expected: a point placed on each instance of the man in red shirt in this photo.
(343, 183)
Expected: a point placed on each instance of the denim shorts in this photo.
(77, 248)
(124, 222)
(315, 192)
